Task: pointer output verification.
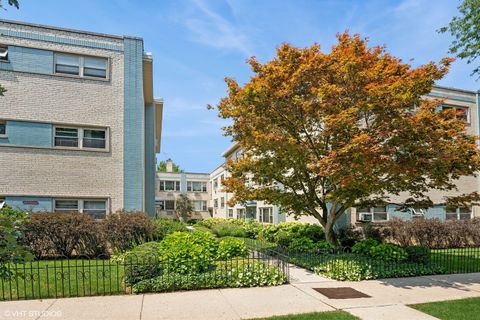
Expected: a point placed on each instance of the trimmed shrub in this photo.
(166, 226)
(324, 246)
(64, 234)
(123, 230)
(242, 273)
(285, 232)
(228, 229)
(388, 252)
(187, 252)
(418, 254)
(433, 233)
(303, 244)
(364, 246)
(252, 229)
(141, 263)
(230, 247)
(355, 268)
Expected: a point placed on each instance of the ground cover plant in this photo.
(328, 315)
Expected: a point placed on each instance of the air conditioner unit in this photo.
(366, 217)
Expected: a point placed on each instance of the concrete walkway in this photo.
(388, 300)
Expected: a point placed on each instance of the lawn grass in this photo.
(463, 309)
(63, 278)
(329, 315)
(463, 260)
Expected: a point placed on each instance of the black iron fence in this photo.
(62, 277)
(343, 264)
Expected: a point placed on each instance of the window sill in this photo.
(6, 145)
(3, 136)
(66, 75)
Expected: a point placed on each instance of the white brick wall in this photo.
(50, 98)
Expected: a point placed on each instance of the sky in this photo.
(196, 43)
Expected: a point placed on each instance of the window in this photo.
(380, 213)
(66, 137)
(169, 185)
(215, 184)
(241, 213)
(3, 53)
(230, 213)
(266, 215)
(215, 203)
(464, 213)
(95, 67)
(80, 138)
(81, 66)
(160, 204)
(67, 64)
(169, 204)
(222, 202)
(372, 214)
(462, 112)
(94, 138)
(196, 186)
(3, 128)
(199, 205)
(97, 208)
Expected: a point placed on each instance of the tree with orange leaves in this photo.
(323, 132)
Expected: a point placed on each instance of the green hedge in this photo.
(351, 267)
(231, 274)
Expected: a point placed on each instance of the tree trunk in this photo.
(329, 232)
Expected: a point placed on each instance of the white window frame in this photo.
(203, 186)
(81, 66)
(269, 213)
(447, 106)
(174, 205)
(241, 213)
(215, 203)
(230, 213)
(80, 137)
(222, 202)
(203, 205)
(458, 213)
(176, 183)
(80, 204)
(371, 213)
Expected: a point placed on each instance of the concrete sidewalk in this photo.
(387, 300)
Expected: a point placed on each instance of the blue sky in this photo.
(196, 43)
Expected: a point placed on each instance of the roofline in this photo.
(455, 89)
(43, 26)
(184, 172)
(230, 149)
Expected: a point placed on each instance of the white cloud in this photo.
(210, 28)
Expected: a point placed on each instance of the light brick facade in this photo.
(34, 96)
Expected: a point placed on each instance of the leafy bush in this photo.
(242, 273)
(11, 234)
(212, 222)
(324, 246)
(303, 244)
(418, 254)
(388, 252)
(230, 247)
(166, 226)
(252, 229)
(123, 229)
(285, 232)
(348, 236)
(433, 233)
(355, 268)
(364, 246)
(228, 229)
(64, 234)
(141, 263)
(186, 252)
